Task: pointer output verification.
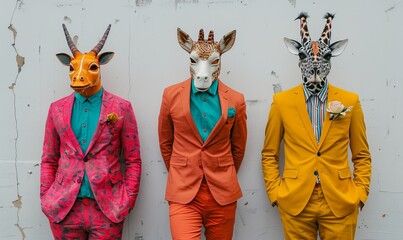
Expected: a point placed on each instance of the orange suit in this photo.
(202, 186)
(305, 158)
(188, 158)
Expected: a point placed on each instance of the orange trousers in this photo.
(186, 220)
(318, 218)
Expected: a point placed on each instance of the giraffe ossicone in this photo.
(314, 56)
(205, 56)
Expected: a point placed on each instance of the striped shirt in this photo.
(316, 105)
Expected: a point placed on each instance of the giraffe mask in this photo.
(85, 73)
(314, 56)
(205, 56)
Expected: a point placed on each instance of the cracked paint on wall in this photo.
(20, 63)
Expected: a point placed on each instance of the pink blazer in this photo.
(63, 162)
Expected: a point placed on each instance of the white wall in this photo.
(148, 58)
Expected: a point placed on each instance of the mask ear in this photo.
(227, 41)
(184, 40)
(292, 45)
(64, 58)
(338, 47)
(105, 57)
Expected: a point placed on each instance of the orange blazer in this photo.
(289, 121)
(188, 158)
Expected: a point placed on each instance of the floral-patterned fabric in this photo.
(63, 162)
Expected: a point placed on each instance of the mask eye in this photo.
(192, 60)
(71, 68)
(94, 67)
(327, 56)
(216, 61)
(302, 56)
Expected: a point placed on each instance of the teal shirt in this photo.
(205, 109)
(84, 121)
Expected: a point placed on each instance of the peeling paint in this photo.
(293, 2)
(274, 74)
(277, 88)
(138, 236)
(142, 3)
(21, 229)
(67, 19)
(75, 39)
(178, 2)
(20, 62)
(391, 8)
(14, 31)
(18, 203)
(253, 101)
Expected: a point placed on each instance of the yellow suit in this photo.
(304, 157)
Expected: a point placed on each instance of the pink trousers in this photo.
(86, 221)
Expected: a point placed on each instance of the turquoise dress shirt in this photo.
(84, 122)
(205, 109)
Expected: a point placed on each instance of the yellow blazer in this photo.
(289, 121)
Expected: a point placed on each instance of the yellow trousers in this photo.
(318, 218)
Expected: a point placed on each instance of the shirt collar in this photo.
(322, 94)
(92, 99)
(212, 90)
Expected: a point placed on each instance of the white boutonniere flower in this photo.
(111, 118)
(337, 109)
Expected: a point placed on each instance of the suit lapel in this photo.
(185, 97)
(332, 96)
(67, 112)
(303, 113)
(107, 102)
(223, 95)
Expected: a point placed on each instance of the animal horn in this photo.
(70, 42)
(101, 42)
(326, 34)
(210, 39)
(201, 36)
(304, 27)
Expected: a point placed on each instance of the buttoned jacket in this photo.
(305, 158)
(189, 159)
(63, 162)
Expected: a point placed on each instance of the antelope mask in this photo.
(314, 56)
(205, 56)
(85, 73)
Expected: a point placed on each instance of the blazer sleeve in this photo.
(131, 154)
(239, 135)
(271, 151)
(360, 154)
(50, 154)
(165, 130)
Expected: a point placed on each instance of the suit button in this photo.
(318, 154)
(79, 180)
(316, 173)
